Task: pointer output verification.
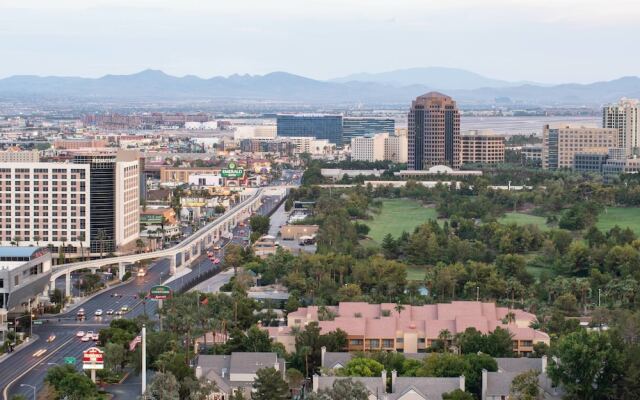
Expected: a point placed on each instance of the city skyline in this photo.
(495, 38)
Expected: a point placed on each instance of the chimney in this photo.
(462, 382)
(394, 376)
(383, 376)
(315, 383)
(198, 372)
(484, 385)
(323, 351)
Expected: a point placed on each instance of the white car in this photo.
(80, 334)
(86, 338)
(98, 312)
(110, 311)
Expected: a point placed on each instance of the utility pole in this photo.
(144, 359)
(477, 293)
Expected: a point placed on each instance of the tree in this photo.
(71, 384)
(361, 366)
(163, 387)
(233, 257)
(499, 343)
(140, 245)
(525, 386)
(343, 389)
(457, 395)
(269, 385)
(260, 224)
(115, 356)
(590, 364)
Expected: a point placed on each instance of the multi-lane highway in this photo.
(23, 368)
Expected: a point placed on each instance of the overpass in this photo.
(182, 254)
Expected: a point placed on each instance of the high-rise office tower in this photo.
(358, 127)
(318, 126)
(624, 117)
(434, 132)
(114, 198)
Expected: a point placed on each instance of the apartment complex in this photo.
(396, 148)
(91, 203)
(560, 145)
(434, 132)
(481, 147)
(357, 127)
(319, 126)
(16, 155)
(372, 327)
(624, 117)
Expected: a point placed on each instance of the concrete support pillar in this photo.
(120, 270)
(94, 270)
(172, 265)
(67, 284)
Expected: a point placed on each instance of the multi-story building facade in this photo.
(368, 148)
(395, 148)
(88, 205)
(13, 155)
(481, 147)
(180, 175)
(433, 132)
(560, 145)
(625, 118)
(319, 126)
(356, 127)
(380, 146)
(24, 273)
(374, 327)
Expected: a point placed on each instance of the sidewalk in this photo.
(25, 344)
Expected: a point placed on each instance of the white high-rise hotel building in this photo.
(624, 117)
(88, 205)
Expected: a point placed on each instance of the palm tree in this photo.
(399, 308)
(16, 240)
(63, 250)
(163, 222)
(140, 245)
(143, 297)
(445, 336)
(37, 239)
(101, 238)
(81, 238)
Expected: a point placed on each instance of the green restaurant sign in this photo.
(160, 292)
(232, 171)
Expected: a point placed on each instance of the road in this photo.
(23, 368)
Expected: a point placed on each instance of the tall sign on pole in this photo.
(93, 359)
(160, 292)
(233, 171)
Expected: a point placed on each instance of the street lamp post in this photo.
(32, 387)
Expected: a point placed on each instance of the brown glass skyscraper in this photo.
(434, 132)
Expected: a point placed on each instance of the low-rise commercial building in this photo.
(24, 275)
(295, 232)
(373, 327)
(20, 156)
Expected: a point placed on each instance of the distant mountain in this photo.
(284, 87)
(440, 78)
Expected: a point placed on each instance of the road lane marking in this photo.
(5, 392)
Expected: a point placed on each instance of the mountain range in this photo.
(389, 88)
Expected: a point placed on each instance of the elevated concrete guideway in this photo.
(182, 254)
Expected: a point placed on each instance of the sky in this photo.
(549, 41)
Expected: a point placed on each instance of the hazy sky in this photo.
(538, 40)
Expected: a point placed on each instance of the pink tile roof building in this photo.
(413, 329)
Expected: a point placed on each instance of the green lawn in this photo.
(415, 273)
(524, 219)
(621, 216)
(398, 215)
